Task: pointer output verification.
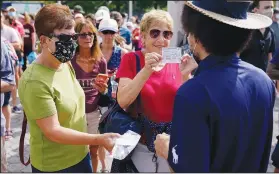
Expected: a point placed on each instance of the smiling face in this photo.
(155, 44)
(86, 38)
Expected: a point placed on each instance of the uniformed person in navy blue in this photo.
(223, 117)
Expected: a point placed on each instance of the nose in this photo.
(160, 38)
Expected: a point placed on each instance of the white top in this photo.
(10, 34)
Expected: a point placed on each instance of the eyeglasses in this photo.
(108, 32)
(154, 33)
(65, 37)
(83, 35)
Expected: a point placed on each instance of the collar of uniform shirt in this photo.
(212, 61)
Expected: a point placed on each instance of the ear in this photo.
(43, 40)
(255, 10)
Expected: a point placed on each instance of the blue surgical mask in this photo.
(12, 14)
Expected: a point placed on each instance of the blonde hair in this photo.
(155, 16)
(27, 18)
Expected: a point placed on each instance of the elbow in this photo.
(122, 100)
(122, 103)
(52, 134)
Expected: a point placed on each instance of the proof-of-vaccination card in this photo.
(171, 55)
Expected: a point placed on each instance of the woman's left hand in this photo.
(162, 145)
(101, 86)
(187, 65)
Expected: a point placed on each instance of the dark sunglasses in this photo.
(65, 37)
(83, 35)
(154, 33)
(108, 32)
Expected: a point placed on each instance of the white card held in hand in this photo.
(125, 145)
(171, 55)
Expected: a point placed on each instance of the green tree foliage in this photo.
(139, 6)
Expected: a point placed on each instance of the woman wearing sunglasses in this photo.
(88, 63)
(156, 83)
(54, 102)
(108, 29)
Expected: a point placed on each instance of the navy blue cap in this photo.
(233, 9)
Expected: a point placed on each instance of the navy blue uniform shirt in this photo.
(223, 119)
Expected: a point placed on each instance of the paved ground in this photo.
(14, 164)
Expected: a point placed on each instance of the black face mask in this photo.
(64, 50)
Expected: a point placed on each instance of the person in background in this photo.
(14, 21)
(32, 17)
(54, 102)
(262, 45)
(273, 73)
(136, 41)
(79, 18)
(130, 26)
(78, 10)
(7, 84)
(226, 110)
(100, 15)
(125, 19)
(273, 69)
(156, 83)
(88, 62)
(123, 31)
(29, 39)
(11, 35)
(104, 8)
(112, 53)
(90, 17)
(275, 26)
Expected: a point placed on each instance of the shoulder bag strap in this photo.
(21, 141)
(138, 68)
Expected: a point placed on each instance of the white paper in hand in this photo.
(125, 145)
(171, 55)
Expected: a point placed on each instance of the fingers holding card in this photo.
(188, 64)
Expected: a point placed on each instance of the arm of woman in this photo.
(129, 86)
(38, 103)
(52, 129)
(129, 89)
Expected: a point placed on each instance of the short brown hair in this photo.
(51, 17)
(95, 50)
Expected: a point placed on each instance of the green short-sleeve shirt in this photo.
(44, 92)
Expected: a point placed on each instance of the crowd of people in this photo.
(213, 112)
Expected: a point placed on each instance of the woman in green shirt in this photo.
(54, 102)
